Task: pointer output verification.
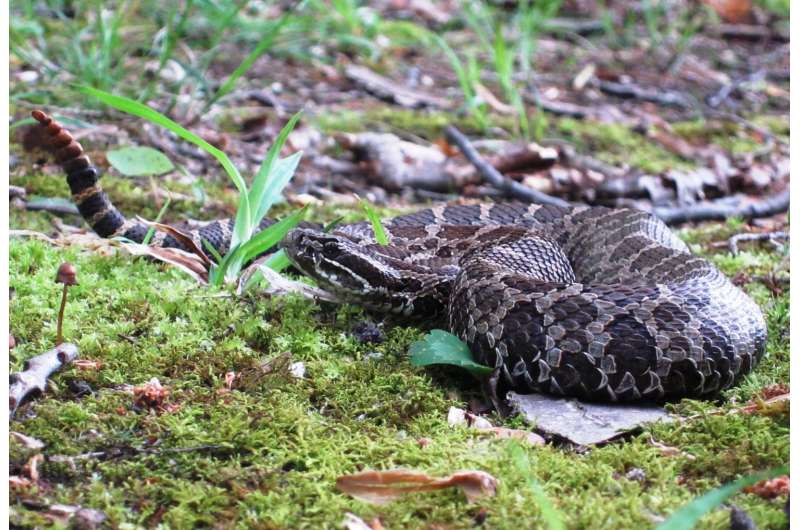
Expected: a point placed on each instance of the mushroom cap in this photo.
(67, 274)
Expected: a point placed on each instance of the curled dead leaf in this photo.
(381, 487)
(87, 364)
(31, 468)
(186, 261)
(27, 441)
(768, 407)
(769, 489)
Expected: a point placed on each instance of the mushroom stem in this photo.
(59, 338)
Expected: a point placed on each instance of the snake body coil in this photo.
(603, 304)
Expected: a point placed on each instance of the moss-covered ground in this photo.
(267, 453)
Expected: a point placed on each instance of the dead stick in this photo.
(494, 177)
(32, 380)
(717, 211)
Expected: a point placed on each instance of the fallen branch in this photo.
(631, 91)
(494, 177)
(719, 211)
(32, 381)
(556, 108)
(16, 192)
(388, 89)
(116, 453)
(733, 242)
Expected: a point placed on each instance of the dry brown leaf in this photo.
(354, 522)
(181, 236)
(188, 262)
(31, 468)
(460, 417)
(27, 441)
(668, 450)
(518, 434)
(768, 407)
(772, 391)
(731, 11)
(151, 395)
(486, 95)
(771, 488)
(87, 364)
(381, 487)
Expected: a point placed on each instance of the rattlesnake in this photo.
(599, 303)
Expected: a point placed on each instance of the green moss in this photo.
(424, 124)
(731, 136)
(618, 144)
(277, 444)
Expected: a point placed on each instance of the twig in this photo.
(631, 91)
(388, 89)
(556, 108)
(122, 452)
(719, 211)
(15, 192)
(733, 242)
(494, 177)
(32, 381)
(716, 99)
(751, 32)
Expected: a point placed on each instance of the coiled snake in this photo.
(603, 304)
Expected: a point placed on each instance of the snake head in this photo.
(365, 273)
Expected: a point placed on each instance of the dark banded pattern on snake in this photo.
(591, 302)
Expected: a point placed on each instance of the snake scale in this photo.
(598, 303)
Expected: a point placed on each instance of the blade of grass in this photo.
(210, 248)
(375, 220)
(271, 236)
(686, 517)
(150, 231)
(553, 518)
(266, 185)
(281, 174)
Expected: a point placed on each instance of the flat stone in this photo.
(583, 423)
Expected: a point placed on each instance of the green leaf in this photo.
(240, 229)
(553, 518)
(271, 236)
(442, 347)
(268, 184)
(688, 516)
(211, 250)
(375, 220)
(278, 261)
(152, 230)
(282, 172)
(139, 161)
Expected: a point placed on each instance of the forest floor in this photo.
(237, 437)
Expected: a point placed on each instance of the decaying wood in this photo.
(387, 89)
(393, 163)
(494, 177)
(723, 209)
(32, 381)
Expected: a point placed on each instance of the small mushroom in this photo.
(67, 275)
